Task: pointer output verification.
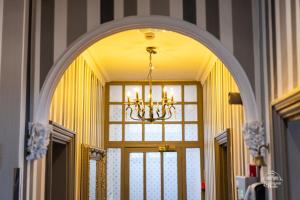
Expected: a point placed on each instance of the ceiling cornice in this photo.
(97, 69)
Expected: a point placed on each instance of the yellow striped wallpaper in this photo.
(218, 116)
(77, 105)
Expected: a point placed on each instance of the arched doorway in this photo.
(42, 109)
(41, 112)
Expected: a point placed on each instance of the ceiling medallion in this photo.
(150, 111)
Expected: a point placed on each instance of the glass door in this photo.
(152, 175)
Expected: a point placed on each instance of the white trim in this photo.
(97, 69)
(160, 22)
(208, 67)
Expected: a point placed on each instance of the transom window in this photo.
(183, 126)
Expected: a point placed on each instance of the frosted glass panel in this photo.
(153, 132)
(190, 93)
(190, 112)
(156, 92)
(115, 113)
(153, 174)
(113, 173)
(173, 132)
(191, 132)
(177, 113)
(170, 176)
(92, 180)
(115, 93)
(133, 132)
(136, 178)
(193, 174)
(115, 132)
(131, 90)
(177, 91)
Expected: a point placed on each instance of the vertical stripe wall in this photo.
(76, 104)
(219, 115)
(62, 22)
(283, 46)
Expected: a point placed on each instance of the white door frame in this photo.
(41, 109)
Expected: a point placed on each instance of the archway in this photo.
(41, 111)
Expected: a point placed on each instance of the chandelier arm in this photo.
(130, 114)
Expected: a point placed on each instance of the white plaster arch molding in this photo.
(41, 111)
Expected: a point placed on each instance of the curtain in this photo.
(219, 115)
(77, 105)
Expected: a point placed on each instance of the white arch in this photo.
(43, 106)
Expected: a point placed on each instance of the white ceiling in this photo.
(123, 56)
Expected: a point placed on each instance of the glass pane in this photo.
(191, 132)
(136, 176)
(115, 132)
(176, 89)
(156, 92)
(173, 132)
(153, 176)
(113, 173)
(153, 132)
(177, 113)
(115, 113)
(190, 112)
(190, 93)
(115, 93)
(130, 90)
(92, 179)
(170, 176)
(133, 132)
(193, 174)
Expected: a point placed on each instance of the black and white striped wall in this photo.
(58, 23)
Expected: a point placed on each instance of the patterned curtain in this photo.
(77, 105)
(218, 116)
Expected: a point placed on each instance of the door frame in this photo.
(283, 109)
(221, 139)
(180, 170)
(61, 135)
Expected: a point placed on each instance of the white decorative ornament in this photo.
(254, 136)
(38, 140)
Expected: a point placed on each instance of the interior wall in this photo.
(218, 116)
(283, 46)
(62, 22)
(77, 105)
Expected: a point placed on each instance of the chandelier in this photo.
(149, 111)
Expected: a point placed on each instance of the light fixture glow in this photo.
(163, 109)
